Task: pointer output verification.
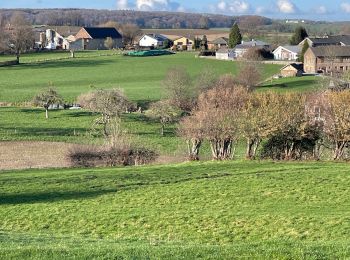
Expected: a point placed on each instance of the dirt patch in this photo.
(24, 155)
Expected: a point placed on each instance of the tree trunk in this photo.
(47, 113)
(339, 150)
(17, 57)
(193, 149)
(72, 54)
(162, 130)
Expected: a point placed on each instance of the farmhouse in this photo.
(153, 40)
(218, 43)
(93, 38)
(225, 53)
(289, 52)
(343, 40)
(242, 48)
(184, 43)
(327, 59)
(292, 70)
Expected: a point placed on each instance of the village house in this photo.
(153, 40)
(225, 53)
(242, 48)
(93, 38)
(218, 43)
(292, 70)
(327, 59)
(342, 40)
(288, 52)
(184, 43)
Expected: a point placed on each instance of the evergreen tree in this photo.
(299, 35)
(204, 43)
(235, 36)
(303, 50)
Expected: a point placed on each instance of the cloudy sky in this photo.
(307, 9)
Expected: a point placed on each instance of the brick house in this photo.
(327, 59)
(93, 38)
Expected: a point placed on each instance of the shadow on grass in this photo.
(67, 63)
(41, 131)
(292, 84)
(54, 196)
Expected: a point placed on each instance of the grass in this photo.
(207, 210)
(306, 83)
(74, 126)
(139, 77)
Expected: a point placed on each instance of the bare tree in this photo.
(109, 103)
(130, 32)
(164, 112)
(249, 75)
(20, 37)
(178, 88)
(336, 116)
(46, 98)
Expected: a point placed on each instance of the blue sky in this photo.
(306, 9)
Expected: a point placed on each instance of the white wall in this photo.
(147, 41)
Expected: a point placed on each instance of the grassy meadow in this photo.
(203, 210)
(140, 77)
(207, 210)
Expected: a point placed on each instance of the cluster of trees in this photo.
(154, 20)
(288, 126)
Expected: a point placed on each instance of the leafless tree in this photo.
(178, 88)
(20, 36)
(250, 75)
(109, 103)
(109, 43)
(164, 112)
(46, 98)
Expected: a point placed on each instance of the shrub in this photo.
(94, 156)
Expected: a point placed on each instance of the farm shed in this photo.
(225, 54)
(292, 70)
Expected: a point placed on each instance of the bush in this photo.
(94, 156)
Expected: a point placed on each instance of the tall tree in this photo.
(204, 43)
(109, 43)
(21, 36)
(235, 36)
(203, 22)
(303, 50)
(299, 35)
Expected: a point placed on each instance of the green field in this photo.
(140, 77)
(306, 83)
(208, 210)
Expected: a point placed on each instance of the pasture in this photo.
(140, 77)
(202, 210)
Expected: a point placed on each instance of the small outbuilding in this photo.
(225, 54)
(292, 70)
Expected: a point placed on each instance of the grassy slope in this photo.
(139, 77)
(221, 210)
(307, 83)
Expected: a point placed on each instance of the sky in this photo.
(325, 10)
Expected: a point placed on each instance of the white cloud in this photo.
(122, 4)
(159, 5)
(286, 7)
(321, 10)
(150, 5)
(345, 7)
(235, 7)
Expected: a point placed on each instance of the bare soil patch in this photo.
(24, 155)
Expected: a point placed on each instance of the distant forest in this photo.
(152, 20)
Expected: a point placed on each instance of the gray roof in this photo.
(331, 40)
(221, 40)
(327, 51)
(253, 43)
(158, 37)
(292, 48)
(224, 50)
